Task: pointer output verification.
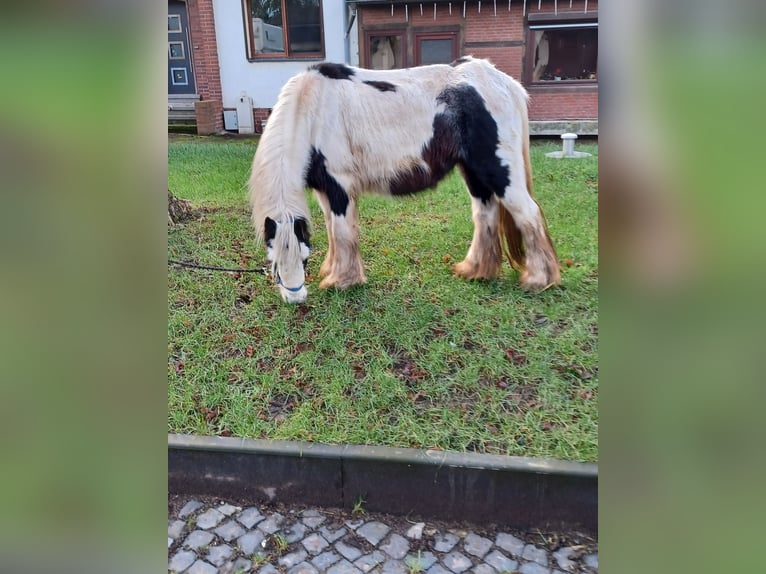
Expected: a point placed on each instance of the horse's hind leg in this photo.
(346, 268)
(484, 258)
(541, 267)
(329, 261)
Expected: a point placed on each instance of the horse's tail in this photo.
(277, 179)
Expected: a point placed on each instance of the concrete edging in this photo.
(517, 492)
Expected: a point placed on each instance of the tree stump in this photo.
(179, 210)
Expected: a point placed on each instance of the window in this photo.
(385, 50)
(174, 23)
(178, 77)
(563, 52)
(176, 50)
(435, 48)
(284, 28)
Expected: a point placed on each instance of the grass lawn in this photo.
(415, 358)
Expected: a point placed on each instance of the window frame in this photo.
(418, 36)
(253, 56)
(401, 32)
(565, 21)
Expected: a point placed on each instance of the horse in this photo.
(343, 131)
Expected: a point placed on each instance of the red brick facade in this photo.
(205, 56)
(500, 37)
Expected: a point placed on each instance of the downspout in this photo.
(351, 16)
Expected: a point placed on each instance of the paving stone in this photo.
(272, 523)
(476, 545)
(396, 547)
(563, 557)
(295, 532)
(209, 519)
(373, 532)
(268, 569)
(250, 542)
(189, 508)
(332, 535)
(202, 567)
(290, 560)
(370, 561)
(533, 568)
(250, 517)
(437, 569)
(197, 539)
(237, 567)
(170, 542)
(423, 559)
(228, 509)
(325, 560)
(350, 553)
(511, 544)
(416, 531)
(500, 561)
(591, 560)
(230, 530)
(354, 524)
(535, 554)
(394, 567)
(314, 543)
(219, 554)
(303, 568)
(445, 542)
(484, 569)
(176, 528)
(344, 567)
(312, 518)
(181, 560)
(457, 562)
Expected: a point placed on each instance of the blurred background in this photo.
(82, 288)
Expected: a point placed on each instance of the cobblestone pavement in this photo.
(217, 537)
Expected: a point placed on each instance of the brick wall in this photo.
(501, 38)
(204, 50)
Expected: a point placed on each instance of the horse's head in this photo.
(287, 247)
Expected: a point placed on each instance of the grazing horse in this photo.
(342, 131)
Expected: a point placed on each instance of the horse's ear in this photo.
(301, 229)
(269, 229)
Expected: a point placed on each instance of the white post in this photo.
(569, 142)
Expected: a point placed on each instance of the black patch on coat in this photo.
(465, 133)
(440, 154)
(334, 71)
(269, 230)
(301, 229)
(459, 61)
(476, 131)
(318, 178)
(381, 86)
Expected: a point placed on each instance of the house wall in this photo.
(501, 37)
(263, 79)
(204, 51)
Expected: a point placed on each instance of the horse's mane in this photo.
(277, 177)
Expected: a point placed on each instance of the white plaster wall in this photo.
(262, 80)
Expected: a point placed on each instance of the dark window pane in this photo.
(305, 26)
(436, 51)
(566, 54)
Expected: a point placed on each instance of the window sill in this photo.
(582, 86)
(317, 58)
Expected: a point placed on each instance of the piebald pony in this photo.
(343, 131)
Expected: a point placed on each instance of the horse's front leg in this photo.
(329, 261)
(346, 267)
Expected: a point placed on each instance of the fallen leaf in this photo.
(447, 257)
(249, 351)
